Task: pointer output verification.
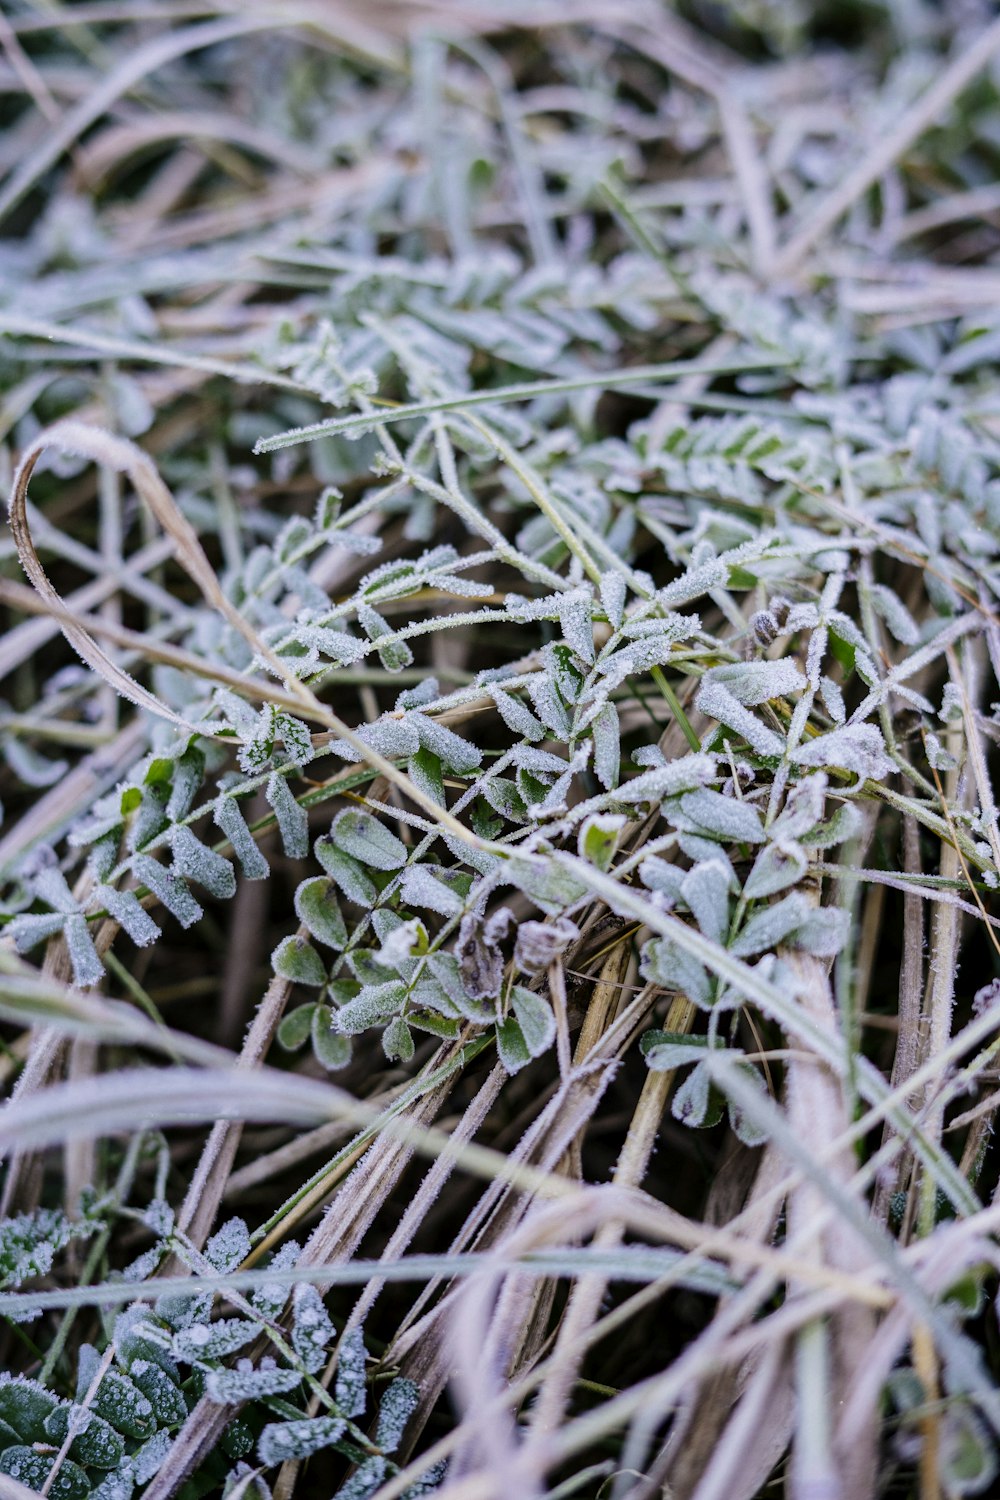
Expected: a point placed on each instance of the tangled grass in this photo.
(499, 974)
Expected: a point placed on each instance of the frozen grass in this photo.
(500, 978)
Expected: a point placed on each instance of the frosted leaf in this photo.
(31, 928)
(478, 951)
(428, 1483)
(420, 886)
(372, 1006)
(317, 909)
(706, 891)
(25, 1405)
(658, 875)
(355, 882)
(771, 926)
(667, 781)
(244, 1383)
(613, 596)
(535, 1019)
(168, 888)
(389, 736)
(364, 1481)
(312, 1332)
(128, 912)
(32, 1470)
(364, 838)
(425, 692)
(202, 865)
(454, 752)
(349, 1391)
(857, 747)
(512, 1047)
(803, 807)
(669, 965)
(229, 1246)
(548, 705)
(397, 1041)
(163, 1394)
(394, 655)
(845, 824)
(550, 885)
(823, 932)
(781, 864)
(729, 817)
(87, 967)
(228, 816)
(833, 699)
(188, 774)
(937, 756)
(692, 1103)
(117, 1485)
(208, 1341)
(271, 1296)
(693, 583)
(297, 960)
(598, 838)
(120, 1402)
(606, 734)
(444, 968)
(895, 614)
(666, 1050)
(405, 942)
(151, 1457)
(717, 702)
(295, 1028)
(744, 1127)
(538, 943)
(293, 823)
(575, 617)
(281, 1441)
(335, 644)
(399, 1402)
(951, 703)
(518, 718)
(273, 726)
(755, 682)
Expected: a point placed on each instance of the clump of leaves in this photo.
(525, 491)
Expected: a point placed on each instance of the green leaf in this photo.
(356, 884)
(296, 1028)
(364, 838)
(331, 1048)
(535, 1018)
(297, 960)
(317, 909)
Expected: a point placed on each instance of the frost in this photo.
(244, 1383)
(397, 1406)
(208, 1341)
(228, 816)
(298, 1439)
(169, 889)
(857, 747)
(293, 824)
(349, 1391)
(127, 911)
(538, 943)
(312, 1331)
(753, 683)
(715, 700)
(317, 909)
(229, 1245)
(297, 960)
(202, 865)
(420, 885)
(365, 839)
